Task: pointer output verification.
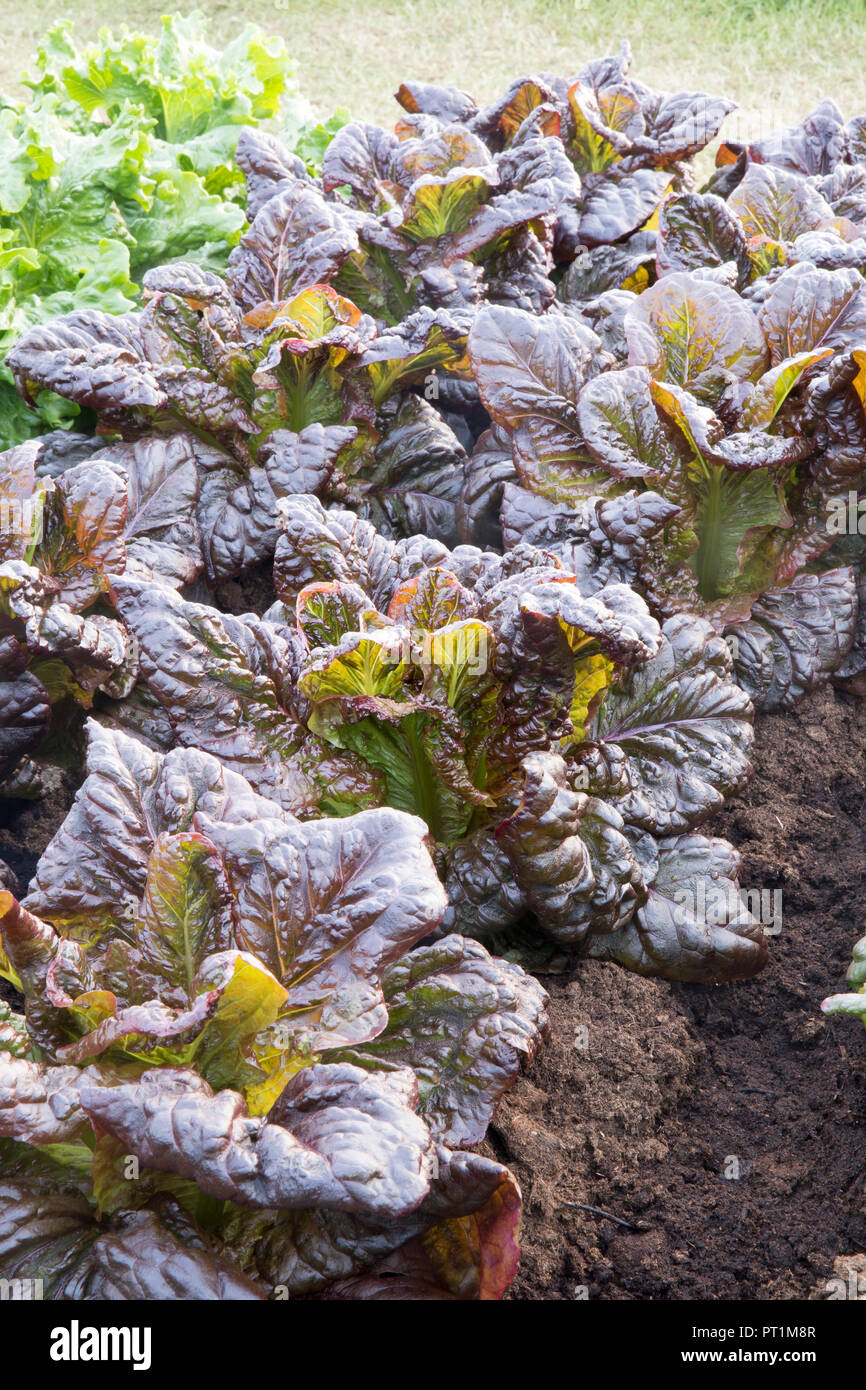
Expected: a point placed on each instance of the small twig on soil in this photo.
(745, 1090)
(598, 1211)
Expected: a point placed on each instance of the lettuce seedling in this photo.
(854, 1002)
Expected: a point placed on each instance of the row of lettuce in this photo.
(121, 158)
(538, 456)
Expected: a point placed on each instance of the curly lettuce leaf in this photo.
(795, 637)
(200, 664)
(692, 332)
(186, 85)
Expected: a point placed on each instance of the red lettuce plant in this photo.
(73, 513)
(742, 416)
(272, 395)
(547, 446)
(234, 1076)
(561, 746)
(610, 347)
(349, 292)
(736, 330)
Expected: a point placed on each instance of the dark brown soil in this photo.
(27, 826)
(676, 1081)
(679, 1080)
(250, 593)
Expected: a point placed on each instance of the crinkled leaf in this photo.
(326, 906)
(40, 1104)
(529, 366)
(483, 894)
(297, 240)
(424, 341)
(228, 685)
(464, 1022)
(161, 532)
(445, 103)
(82, 532)
(602, 539)
(236, 513)
(94, 871)
(620, 202)
(141, 1260)
(184, 913)
(92, 358)
(319, 545)
(773, 388)
(266, 163)
(303, 461)
(25, 709)
(621, 426)
(627, 265)
(569, 855)
(76, 655)
(683, 727)
(776, 204)
(699, 229)
(529, 371)
(689, 331)
(360, 155)
(679, 124)
(54, 1236)
(694, 925)
(795, 637)
(338, 1138)
(808, 308)
(468, 1223)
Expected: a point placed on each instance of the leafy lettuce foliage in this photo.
(123, 158)
(70, 522)
(289, 393)
(556, 457)
(233, 1062)
(349, 299)
(743, 417)
(624, 333)
(546, 736)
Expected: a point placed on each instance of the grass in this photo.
(776, 58)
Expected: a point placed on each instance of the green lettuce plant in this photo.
(854, 1001)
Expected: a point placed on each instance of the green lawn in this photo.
(776, 58)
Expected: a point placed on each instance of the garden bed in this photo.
(678, 1078)
(452, 573)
